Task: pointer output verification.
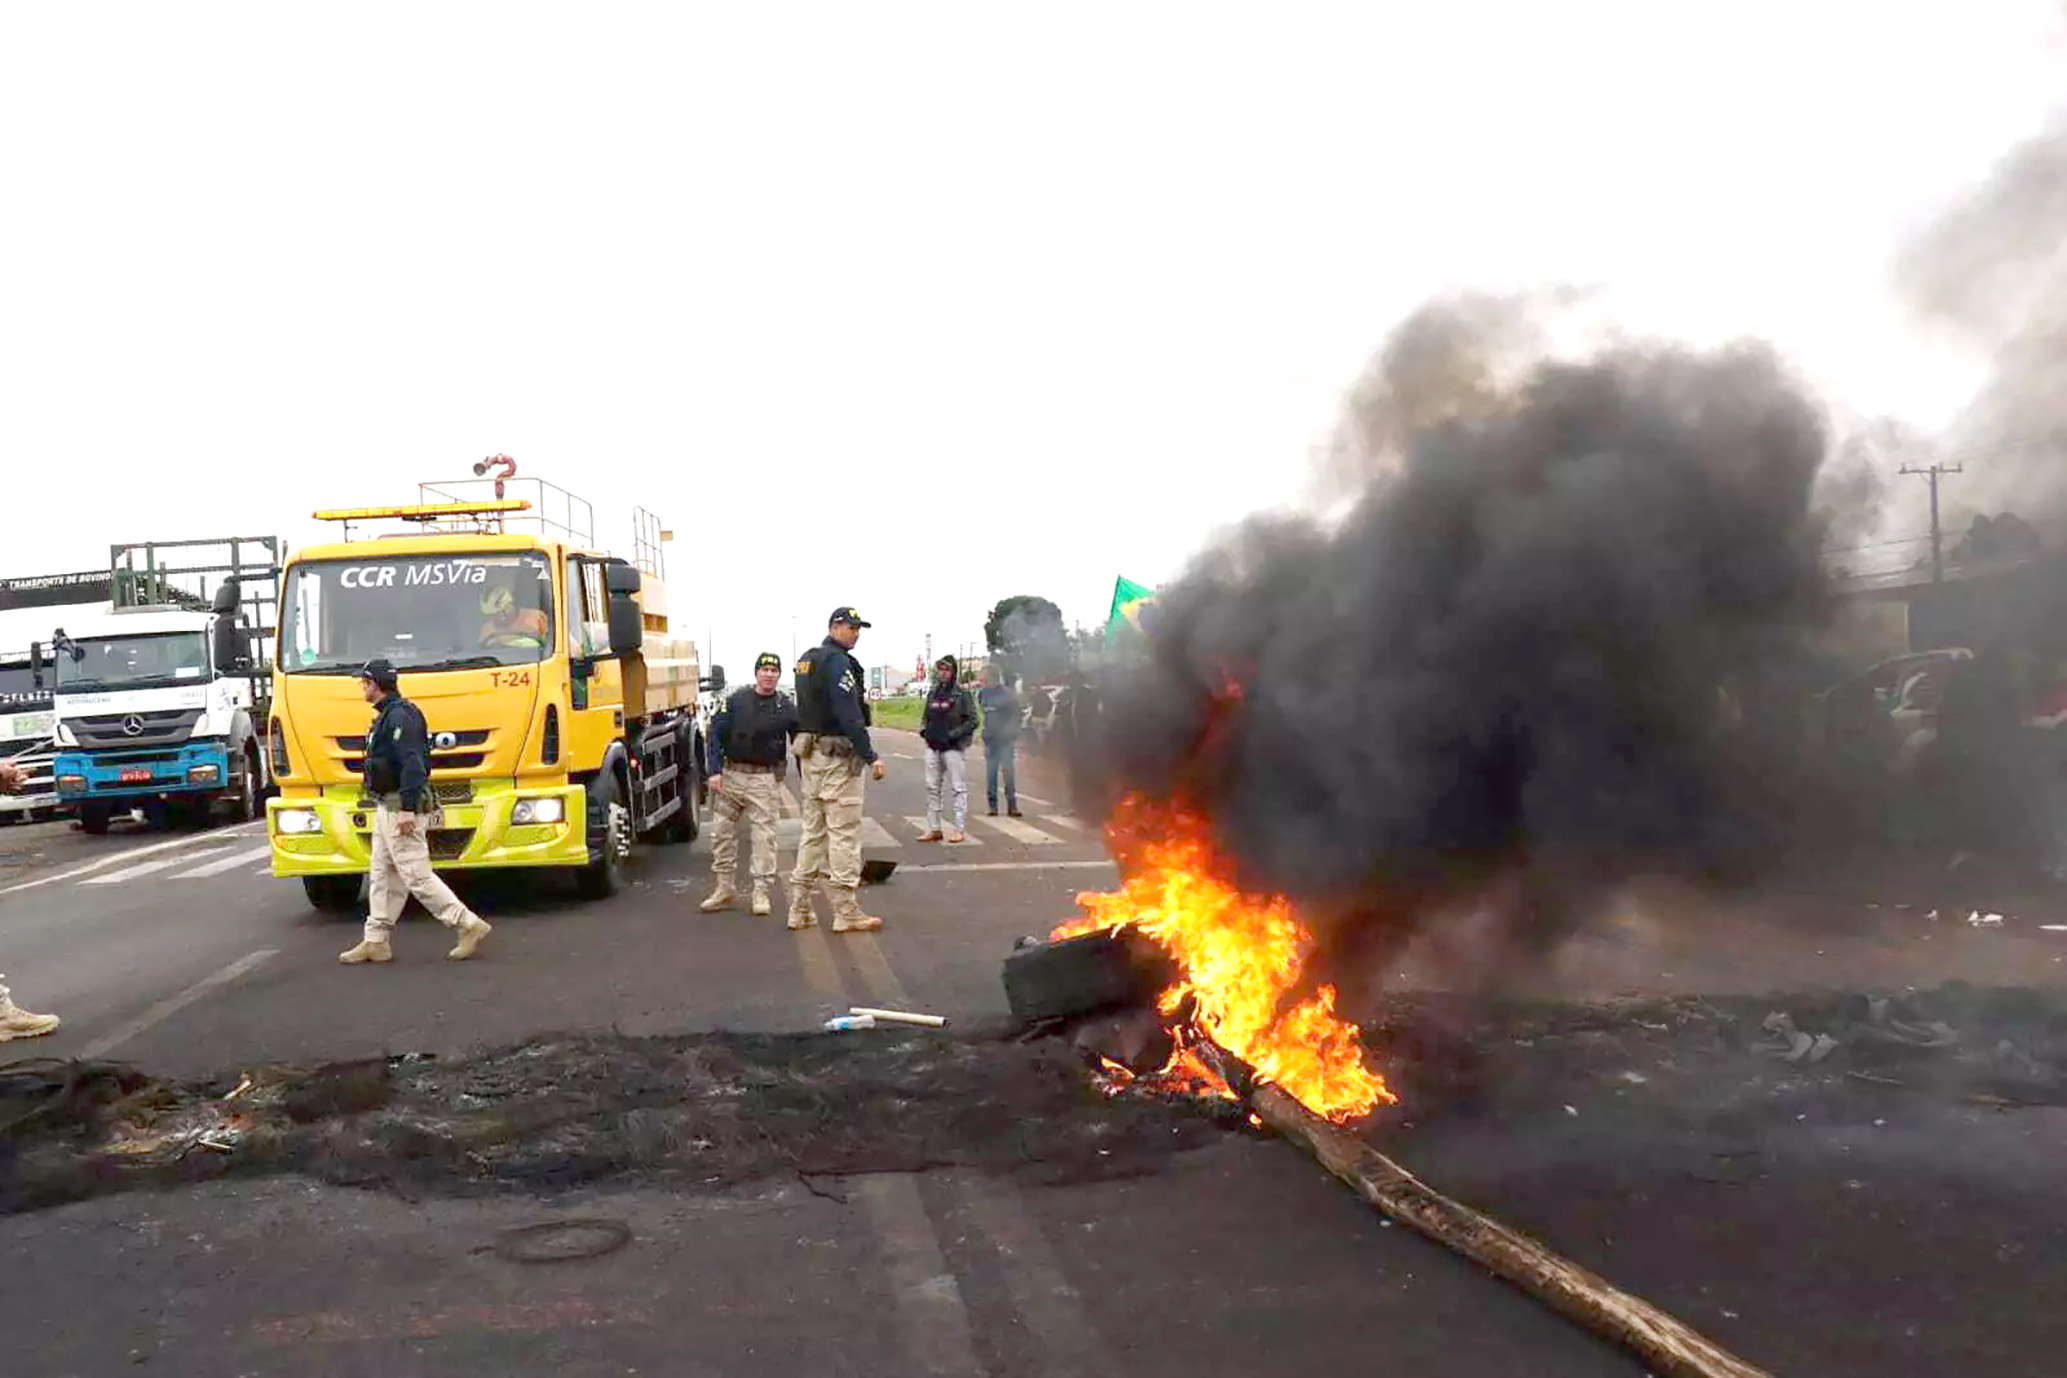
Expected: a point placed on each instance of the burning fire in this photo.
(1238, 956)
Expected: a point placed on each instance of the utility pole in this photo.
(1934, 472)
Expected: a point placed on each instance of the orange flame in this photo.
(1238, 955)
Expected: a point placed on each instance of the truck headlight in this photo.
(289, 822)
(71, 782)
(538, 811)
(204, 775)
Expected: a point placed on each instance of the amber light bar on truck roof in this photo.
(422, 511)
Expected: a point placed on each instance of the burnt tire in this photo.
(333, 894)
(1085, 975)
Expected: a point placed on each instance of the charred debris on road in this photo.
(702, 1113)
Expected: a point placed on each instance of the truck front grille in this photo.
(448, 843)
(152, 728)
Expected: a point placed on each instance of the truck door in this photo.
(596, 679)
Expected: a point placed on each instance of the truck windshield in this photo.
(133, 662)
(422, 612)
(18, 688)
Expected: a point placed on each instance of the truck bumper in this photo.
(331, 834)
(196, 767)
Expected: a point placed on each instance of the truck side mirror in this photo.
(620, 577)
(36, 664)
(627, 625)
(227, 596)
(714, 682)
(225, 646)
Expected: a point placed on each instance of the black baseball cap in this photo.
(847, 615)
(768, 659)
(381, 672)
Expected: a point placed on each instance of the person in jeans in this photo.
(1001, 714)
(949, 727)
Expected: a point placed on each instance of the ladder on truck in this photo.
(186, 574)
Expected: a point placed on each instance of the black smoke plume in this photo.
(1535, 658)
(1992, 274)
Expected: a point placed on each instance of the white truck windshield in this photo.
(422, 612)
(133, 662)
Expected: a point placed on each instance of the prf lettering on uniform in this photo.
(413, 576)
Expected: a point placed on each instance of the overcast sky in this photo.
(906, 305)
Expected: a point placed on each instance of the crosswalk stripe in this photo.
(918, 824)
(790, 831)
(1020, 831)
(1075, 825)
(216, 868)
(144, 868)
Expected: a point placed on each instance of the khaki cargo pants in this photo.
(401, 868)
(832, 788)
(750, 790)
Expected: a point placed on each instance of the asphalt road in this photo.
(182, 955)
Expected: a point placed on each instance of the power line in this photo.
(1934, 472)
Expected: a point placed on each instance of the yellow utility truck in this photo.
(562, 718)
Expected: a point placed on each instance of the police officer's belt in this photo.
(829, 744)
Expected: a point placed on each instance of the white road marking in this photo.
(144, 868)
(1048, 1306)
(875, 971)
(1005, 866)
(216, 868)
(1073, 824)
(789, 832)
(1037, 801)
(918, 825)
(165, 1009)
(238, 830)
(930, 1311)
(1019, 830)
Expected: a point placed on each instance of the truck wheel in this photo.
(333, 894)
(684, 826)
(604, 875)
(94, 817)
(248, 805)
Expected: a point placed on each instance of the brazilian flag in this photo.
(1128, 598)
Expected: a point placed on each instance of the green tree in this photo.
(1026, 636)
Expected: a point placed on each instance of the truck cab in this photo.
(160, 701)
(562, 734)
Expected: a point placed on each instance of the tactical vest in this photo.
(817, 679)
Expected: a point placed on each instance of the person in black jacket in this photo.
(948, 728)
(1002, 710)
(748, 740)
(398, 775)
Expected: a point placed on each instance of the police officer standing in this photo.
(748, 738)
(398, 773)
(833, 751)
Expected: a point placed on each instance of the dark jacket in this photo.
(950, 722)
(752, 728)
(398, 752)
(1001, 713)
(830, 701)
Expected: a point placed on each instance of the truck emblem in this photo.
(445, 741)
(132, 726)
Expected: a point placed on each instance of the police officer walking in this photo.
(748, 739)
(833, 751)
(398, 772)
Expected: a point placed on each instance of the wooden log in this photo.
(1667, 1345)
